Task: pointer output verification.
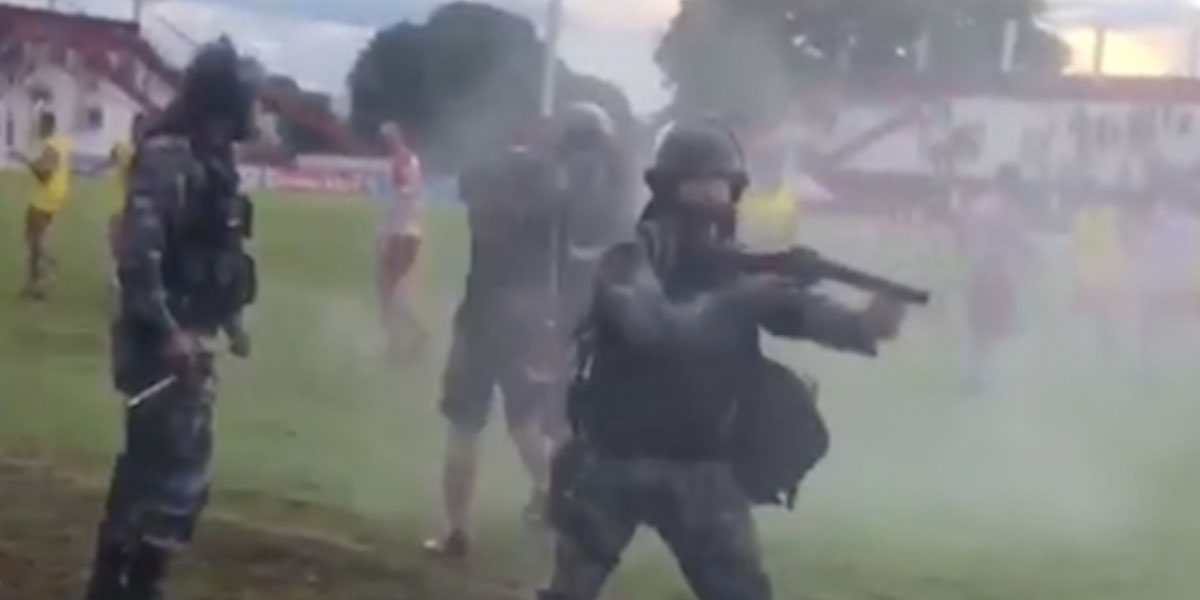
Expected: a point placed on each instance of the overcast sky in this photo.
(316, 41)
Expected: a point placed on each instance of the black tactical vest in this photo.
(208, 273)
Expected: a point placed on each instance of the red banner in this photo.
(315, 181)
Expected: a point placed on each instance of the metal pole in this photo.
(550, 64)
(549, 70)
(922, 50)
(1008, 58)
(1193, 51)
(1098, 51)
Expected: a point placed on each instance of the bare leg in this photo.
(403, 328)
(386, 281)
(36, 223)
(525, 405)
(406, 317)
(459, 474)
(534, 448)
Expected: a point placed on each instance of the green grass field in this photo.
(1068, 480)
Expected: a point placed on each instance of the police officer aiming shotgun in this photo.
(185, 277)
(672, 387)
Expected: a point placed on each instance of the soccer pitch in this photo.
(1069, 479)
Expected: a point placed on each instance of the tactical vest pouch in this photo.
(248, 279)
(778, 435)
(247, 209)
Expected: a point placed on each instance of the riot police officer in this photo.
(594, 209)
(185, 277)
(663, 357)
(595, 198)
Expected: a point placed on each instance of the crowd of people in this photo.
(1103, 272)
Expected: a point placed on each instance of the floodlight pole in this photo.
(549, 66)
(558, 223)
(1098, 50)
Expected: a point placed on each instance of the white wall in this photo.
(71, 99)
(1040, 136)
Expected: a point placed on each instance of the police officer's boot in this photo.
(108, 572)
(146, 573)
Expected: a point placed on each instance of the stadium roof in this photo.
(1122, 14)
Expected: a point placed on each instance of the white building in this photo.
(92, 74)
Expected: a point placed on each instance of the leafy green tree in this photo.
(465, 82)
(750, 56)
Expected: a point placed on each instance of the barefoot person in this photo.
(399, 245)
(51, 171)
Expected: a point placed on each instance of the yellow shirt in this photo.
(122, 156)
(1096, 237)
(769, 220)
(51, 195)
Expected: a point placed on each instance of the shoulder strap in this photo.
(658, 243)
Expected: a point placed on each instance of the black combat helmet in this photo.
(697, 149)
(584, 122)
(218, 84)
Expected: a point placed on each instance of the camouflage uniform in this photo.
(665, 358)
(695, 506)
(653, 433)
(162, 474)
(594, 210)
(183, 270)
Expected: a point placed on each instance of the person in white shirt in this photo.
(399, 246)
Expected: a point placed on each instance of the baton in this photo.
(151, 391)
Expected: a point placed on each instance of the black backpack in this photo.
(778, 435)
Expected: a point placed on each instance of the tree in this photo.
(750, 56)
(303, 118)
(464, 82)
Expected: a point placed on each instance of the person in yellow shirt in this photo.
(120, 161)
(769, 219)
(1099, 253)
(1101, 264)
(51, 170)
